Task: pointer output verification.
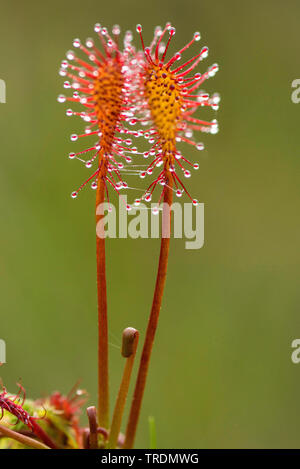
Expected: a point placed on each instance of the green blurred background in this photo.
(221, 374)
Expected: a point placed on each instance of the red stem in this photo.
(40, 433)
(103, 388)
(153, 319)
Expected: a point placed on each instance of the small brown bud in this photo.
(128, 339)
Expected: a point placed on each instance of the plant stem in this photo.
(93, 436)
(40, 433)
(130, 342)
(153, 319)
(103, 388)
(25, 440)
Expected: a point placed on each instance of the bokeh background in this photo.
(221, 374)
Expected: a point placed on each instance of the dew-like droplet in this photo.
(74, 195)
(94, 185)
(76, 42)
(137, 202)
(128, 208)
(139, 28)
(216, 98)
(214, 129)
(148, 197)
(179, 193)
(97, 28)
(70, 55)
(74, 137)
(213, 70)
(155, 210)
(142, 174)
(204, 52)
(200, 146)
(197, 36)
(61, 98)
(196, 166)
(116, 30)
(89, 42)
(88, 164)
(202, 97)
(195, 202)
(188, 133)
(69, 112)
(187, 173)
(158, 30)
(72, 155)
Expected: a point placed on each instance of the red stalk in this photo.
(103, 387)
(153, 319)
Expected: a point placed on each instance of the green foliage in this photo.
(53, 422)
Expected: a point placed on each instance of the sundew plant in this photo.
(123, 93)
